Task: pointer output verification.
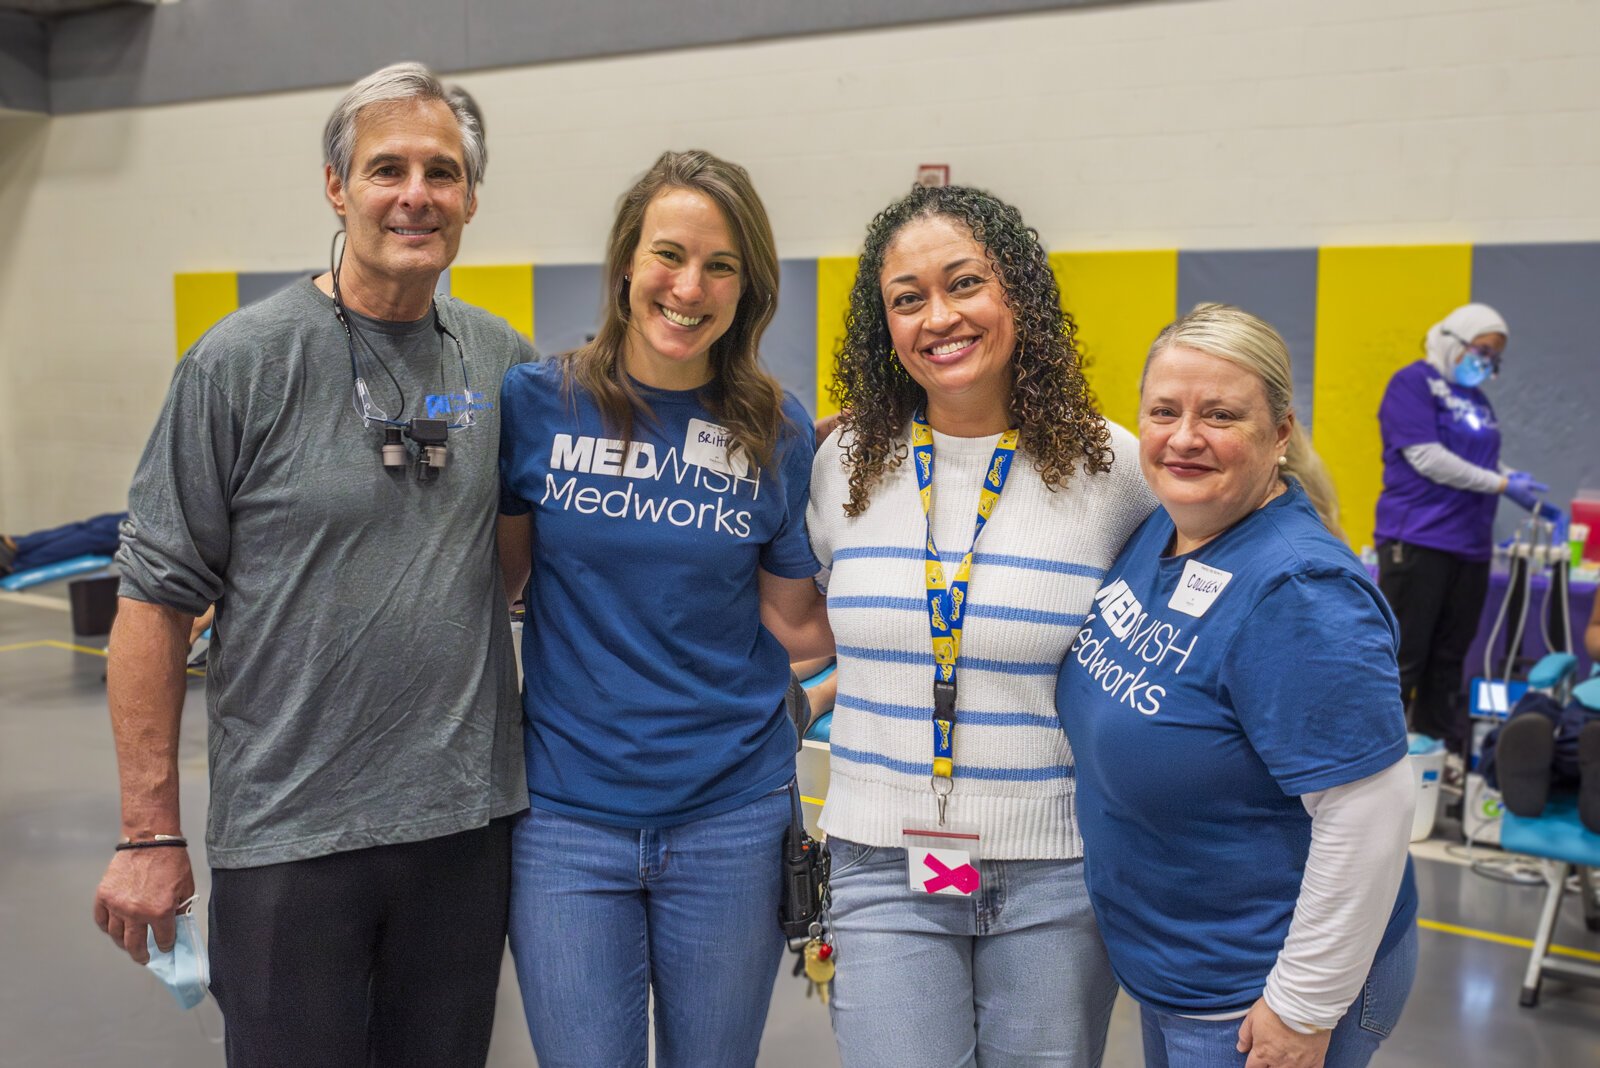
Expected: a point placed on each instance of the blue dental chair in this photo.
(1560, 840)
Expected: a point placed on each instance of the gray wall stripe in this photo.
(258, 285)
(566, 306)
(789, 349)
(1547, 394)
(567, 311)
(1279, 285)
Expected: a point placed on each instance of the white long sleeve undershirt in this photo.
(1360, 834)
(1438, 464)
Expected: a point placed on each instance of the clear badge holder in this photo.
(942, 860)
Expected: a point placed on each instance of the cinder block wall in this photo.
(1206, 124)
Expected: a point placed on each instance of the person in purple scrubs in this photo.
(1442, 478)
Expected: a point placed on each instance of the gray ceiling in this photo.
(70, 56)
(26, 27)
(46, 9)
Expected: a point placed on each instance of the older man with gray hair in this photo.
(324, 472)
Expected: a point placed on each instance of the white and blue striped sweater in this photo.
(1034, 575)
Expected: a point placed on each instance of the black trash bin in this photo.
(94, 604)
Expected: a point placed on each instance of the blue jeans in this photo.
(601, 916)
(1174, 1042)
(1015, 975)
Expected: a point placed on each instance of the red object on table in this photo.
(1588, 512)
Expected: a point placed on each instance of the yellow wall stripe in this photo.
(507, 291)
(1373, 306)
(1120, 301)
(199, 300)
(835, 277)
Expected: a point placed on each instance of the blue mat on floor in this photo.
(61, 569)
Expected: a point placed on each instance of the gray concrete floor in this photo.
(68, 998)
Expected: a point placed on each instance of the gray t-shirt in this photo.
(361, 686)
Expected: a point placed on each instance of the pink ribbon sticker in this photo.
(964, 877)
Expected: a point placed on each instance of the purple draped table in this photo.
(1533, 645)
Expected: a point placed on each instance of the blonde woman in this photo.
(1234, 704)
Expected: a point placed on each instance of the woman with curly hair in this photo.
(967, 506)
(666, 476)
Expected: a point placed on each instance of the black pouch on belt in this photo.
(805, 876)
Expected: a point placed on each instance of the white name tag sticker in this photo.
(706, 445)
(1198, 588)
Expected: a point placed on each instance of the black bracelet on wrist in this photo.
(152, 843)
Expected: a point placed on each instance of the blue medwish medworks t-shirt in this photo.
(652, 694)
(1203, 696)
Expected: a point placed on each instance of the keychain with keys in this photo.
(819, 966)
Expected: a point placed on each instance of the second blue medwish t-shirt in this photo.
(1203, 696)
(652, 694)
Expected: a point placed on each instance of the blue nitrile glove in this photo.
(1523, 489)
(1556, 518)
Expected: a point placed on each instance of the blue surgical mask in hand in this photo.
(184, 970)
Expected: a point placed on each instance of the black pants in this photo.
(387, 956)
(1437, 598)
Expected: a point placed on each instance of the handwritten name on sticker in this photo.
(1198, 588)
(706, 444)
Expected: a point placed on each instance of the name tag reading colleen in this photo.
(1198, 588)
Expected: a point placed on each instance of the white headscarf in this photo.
(1447, 339)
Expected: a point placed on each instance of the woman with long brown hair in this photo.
(666, 478)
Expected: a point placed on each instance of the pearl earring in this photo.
(1283, 461)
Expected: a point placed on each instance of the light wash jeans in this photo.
(601, 916)
(1175, 1042)
(1015, 975)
